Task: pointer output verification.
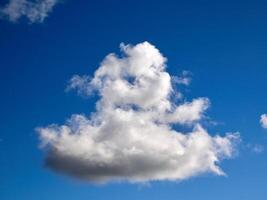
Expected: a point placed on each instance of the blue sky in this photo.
(223, 44)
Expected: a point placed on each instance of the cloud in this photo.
(184, 79)
(81, 84)
(255, 148)
(130, 136)
(263, 120)
(35, 11)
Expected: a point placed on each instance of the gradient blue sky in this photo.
(223, 43)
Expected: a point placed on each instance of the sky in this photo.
(185, 83)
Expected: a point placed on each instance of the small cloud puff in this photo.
(131, 137)
(255, 148)
(184, 79)
(263, 121)
(35, 11)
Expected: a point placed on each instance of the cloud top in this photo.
(131, 137)
(34, 11)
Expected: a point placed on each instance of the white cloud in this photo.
(35, 11)
(263, 120)
(130, 136)
(184, 79)
(81, 84)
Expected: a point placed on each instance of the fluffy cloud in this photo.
(35, 11)
(263, 120)
(131, 137)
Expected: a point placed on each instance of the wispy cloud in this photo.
(130, 136)
(184, 79)
(34, 11)
(255, 148)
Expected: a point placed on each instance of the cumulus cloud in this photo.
(263, 120)
(130, 136)
(35, 11)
